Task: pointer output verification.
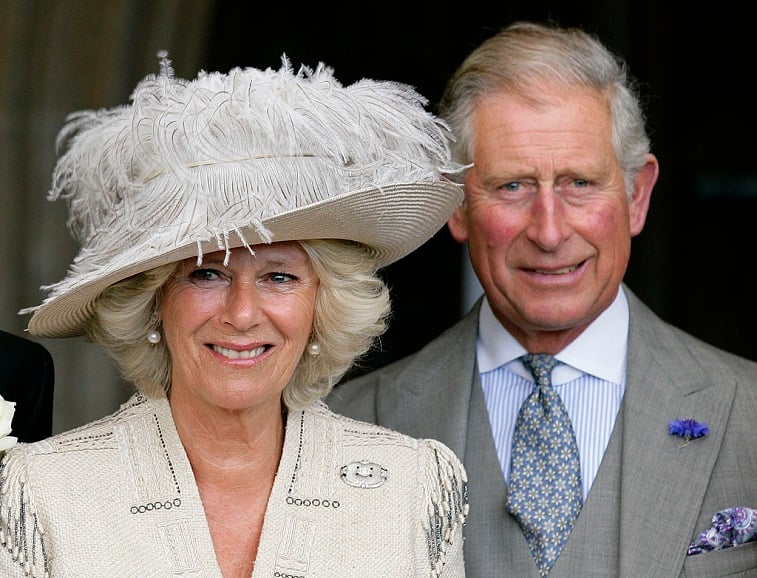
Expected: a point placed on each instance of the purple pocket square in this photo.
(730, 527)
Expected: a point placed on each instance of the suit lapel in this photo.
(663, 484)
(431, 397)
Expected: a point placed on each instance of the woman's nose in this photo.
(242, 307)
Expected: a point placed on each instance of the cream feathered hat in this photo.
(228, 160)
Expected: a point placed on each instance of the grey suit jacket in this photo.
(651, 496)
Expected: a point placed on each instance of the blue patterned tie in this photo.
(544, 493)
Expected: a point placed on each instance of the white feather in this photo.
(189, 161)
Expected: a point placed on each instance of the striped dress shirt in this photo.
(590, 380)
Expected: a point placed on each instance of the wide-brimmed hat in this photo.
(228, 160)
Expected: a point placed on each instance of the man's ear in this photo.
(642, 194)
(458, 224)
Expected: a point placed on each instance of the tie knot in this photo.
(540, 365)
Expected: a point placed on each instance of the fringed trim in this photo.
(447, 495)
(20, 532)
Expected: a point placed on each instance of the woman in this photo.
(231, 230)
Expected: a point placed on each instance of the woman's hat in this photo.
(229, 160)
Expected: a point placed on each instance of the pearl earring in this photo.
(154, 336)
(314, 348)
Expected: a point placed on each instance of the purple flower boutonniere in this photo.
(688, 429)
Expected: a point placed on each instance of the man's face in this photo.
(546, 216)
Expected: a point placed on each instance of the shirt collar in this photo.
(600, 350)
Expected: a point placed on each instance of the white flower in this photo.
(7, 409)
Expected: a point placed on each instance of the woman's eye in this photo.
(204, 274)
(281, 277)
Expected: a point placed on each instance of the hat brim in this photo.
(392, 221)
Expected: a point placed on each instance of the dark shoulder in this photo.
(11, 344)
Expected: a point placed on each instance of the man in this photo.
(560, 182)
(27, 378)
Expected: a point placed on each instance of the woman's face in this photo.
(236, 332)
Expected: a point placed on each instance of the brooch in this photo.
(364, 474)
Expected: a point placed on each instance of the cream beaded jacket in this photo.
(116, 498)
